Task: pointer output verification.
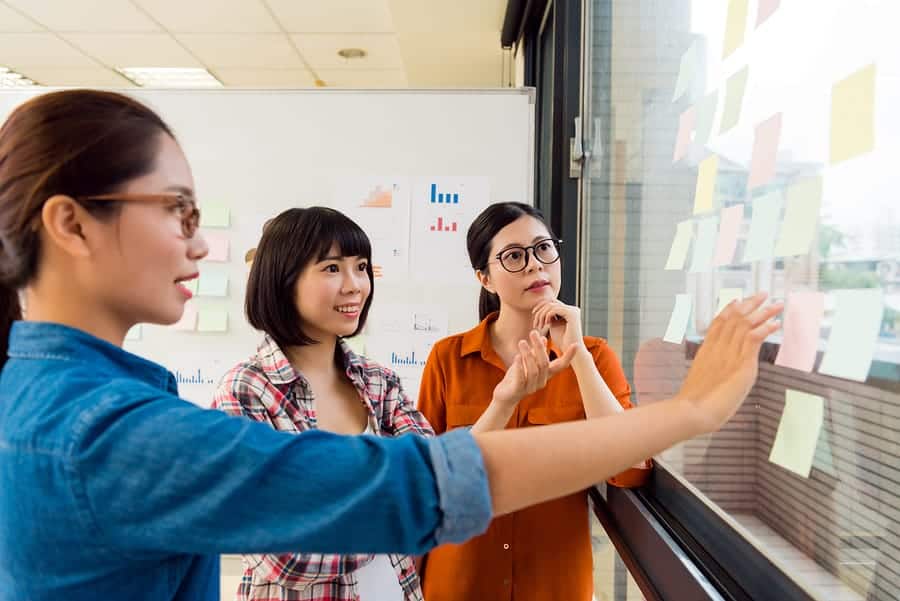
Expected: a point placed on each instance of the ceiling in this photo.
(257, 43)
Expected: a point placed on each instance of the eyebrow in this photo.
(533, 240)
(338, 258)
(183, 190)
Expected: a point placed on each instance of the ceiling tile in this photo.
(272, 51)
(96, 77)
(11, 21)
(333, 16)
(459, 15)
(369, 79)
(211, 16)
(86, 15)
(20, 50)
(265, 78)
(321, 50)
(134, 49)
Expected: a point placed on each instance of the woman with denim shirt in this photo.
(111, 487)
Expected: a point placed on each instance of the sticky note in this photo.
(678, 322)
(705, 244)
(188, 321)
(704, 194)
(766, 8)
(213, 215)
(680, 245)
(801, 323)
(192, 285)
(734, 99)
(686, 71)
(798, 432)
(135, 333)
(763, 227)
(686, 124)
(218, 246)
(765, 149)
(213, 284)
(801, 218)
(706, 115)
(730, 221)
(854, 333)
(357, 344)
(212, 320)
(726, 295)
(853, 115)
(735, 24)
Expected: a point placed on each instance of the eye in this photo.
(363, 266)
(545, 245)
(333, 268)
(514, 255)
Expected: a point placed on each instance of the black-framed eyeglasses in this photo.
(187, 207)
(515, 258)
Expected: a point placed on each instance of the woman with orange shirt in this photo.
(542, 553)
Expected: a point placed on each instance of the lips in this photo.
(538, 285)
(348, 310)
(179, 283)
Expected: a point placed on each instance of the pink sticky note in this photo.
(188, 321)
(686, 124)
(766, 8)
(803, 316)
(765, 147)
(218, 246)
(729, 228)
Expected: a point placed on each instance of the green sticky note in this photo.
(726, 295)
(801, 218)
(705, 245)
(763, 227)
(854, 333)
(213, 215)
(798, 432)
(357, 344)
(213, 284)
(680, 245)
(686, 71)
(734, 99)
(212, 320)
(192, 285)
(706, 115)
(678, 323)
(704, 195)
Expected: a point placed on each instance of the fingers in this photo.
(541, 359)
(563, 361)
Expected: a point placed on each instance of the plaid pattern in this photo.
(268, 389)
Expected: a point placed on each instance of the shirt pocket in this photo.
(463, 415)
(541, 416)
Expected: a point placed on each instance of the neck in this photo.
(510, 327)
(314, 358)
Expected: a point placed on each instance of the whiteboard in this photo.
(259, 152)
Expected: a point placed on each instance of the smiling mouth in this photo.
(348, 309)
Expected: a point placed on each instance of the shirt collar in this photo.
(279, 370)
(478, 340)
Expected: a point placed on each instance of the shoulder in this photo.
(448, 348)
(244, 383)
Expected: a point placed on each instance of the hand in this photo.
(529, 371)
(725, 368)
(562, 321)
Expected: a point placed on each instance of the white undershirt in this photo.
(378, 578)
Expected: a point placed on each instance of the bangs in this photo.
(337, 229)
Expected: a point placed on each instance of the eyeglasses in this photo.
(515, 258)
(187, 207)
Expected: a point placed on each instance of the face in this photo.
(147, 257)
(521, 291)
(330, 294)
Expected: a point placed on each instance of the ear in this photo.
(484, 279)
(63, 222)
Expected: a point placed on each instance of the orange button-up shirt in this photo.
(542, 553)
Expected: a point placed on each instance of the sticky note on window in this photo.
(726, 295)
(706, 115)
(802, 321)
(686, 124)
(855, 326)
(192, 285)
(765, 148)
(730, 222)
(686, 71)
(798, 432)
(801, 218)
(766, 8)
(704, 194)
(213, 284)
(735, 24)
(680, 245)
(219, 245)
(188, 321)
(135, 333)
(705, 244)
(357, 344)
(853, 115)
(212, 320)
(734, 99)
(213, 215)
(763, 227)
(678, 322)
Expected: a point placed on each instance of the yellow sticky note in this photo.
(798, 432)
(212, 320)
(706, 185)
(681, 317)
(213, 215)
(853, 115)
(854, 333)
(801, 218)
(726, 295)
(734, 99)
(213, 284)
(681, 243)
(357, 344)
(735, 25)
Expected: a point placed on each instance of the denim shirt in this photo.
(111, 487)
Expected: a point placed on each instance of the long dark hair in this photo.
(76, 143)
(480, 237)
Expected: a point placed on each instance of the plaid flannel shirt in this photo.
(267, 388)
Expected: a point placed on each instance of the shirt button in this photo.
(506, 546)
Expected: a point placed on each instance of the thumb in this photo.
(563, 361)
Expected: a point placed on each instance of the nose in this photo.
(531, 262)
(197, 247)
